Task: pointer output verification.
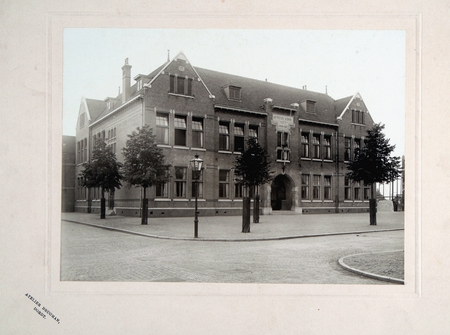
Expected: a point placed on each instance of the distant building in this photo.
(68, 174)
(308, 136)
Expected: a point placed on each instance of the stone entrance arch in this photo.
(281, 194)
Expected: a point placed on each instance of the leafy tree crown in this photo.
(373, 162)
(143, 161)
(103, 170)
(252, 166)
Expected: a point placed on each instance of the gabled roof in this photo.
(343, 104)
(253, 93)
(182, 56)
(94, 107)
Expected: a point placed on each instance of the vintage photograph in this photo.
(233, 156)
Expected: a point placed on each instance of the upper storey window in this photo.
(310, 106)
(82, 119)
(180, 85)
(357, 117)
(233, 92)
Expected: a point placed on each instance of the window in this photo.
(162, 128)
(180, 130)
(316, 187)
(85, 157)
(327, 147)
(253, 131)
(305, 186)
(238, 190)
(316, 146)
(348, 189)
(357, 117)
(347, 148)
(357, 190)
(366, 192)
(310, 106)
(161, 190)
(356, 146)
(327, 187)
(223, 183)
(239, 137)
(197, 184)
(224, 136)
(180, 182)
(235, 92)
(283, 151)
(197, 132)
(82, 119)
(305, 145)
(180, 85)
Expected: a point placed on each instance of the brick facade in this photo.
(306, 134)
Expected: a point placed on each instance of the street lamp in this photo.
(196, 165)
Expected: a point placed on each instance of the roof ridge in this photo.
(263, 81)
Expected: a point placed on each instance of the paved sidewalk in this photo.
(229, 228)
(270, 227)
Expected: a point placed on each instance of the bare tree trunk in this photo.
(103, 205)
(246, 215)
(373, 206)
(255, 208)
(144, 219)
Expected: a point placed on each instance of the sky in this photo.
(341, 63)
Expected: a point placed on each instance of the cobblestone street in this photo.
(92, 254)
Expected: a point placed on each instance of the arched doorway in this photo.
(281, 193)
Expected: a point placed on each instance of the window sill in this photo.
(164, 146)
(283, 161)
(199, 199)
(180, 147)
(224, 200)
(163, 199)
(177, 199)
(198, 149)
(225, 152)
(181, 95)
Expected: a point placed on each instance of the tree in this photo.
(252, 169)
(144, 164)
(373, 164)
(102, 171)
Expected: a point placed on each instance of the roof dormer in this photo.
(309, 106)
(233, 92)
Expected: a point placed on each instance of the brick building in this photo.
(308, 137)
(68, 174)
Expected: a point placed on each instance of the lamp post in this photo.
(196, 165)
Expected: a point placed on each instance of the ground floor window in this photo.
(161, 190)
(316, 187)
(366, 192)
(347, 189)
(180, 182)
(224, 183)
(305, 186)
(327, 188)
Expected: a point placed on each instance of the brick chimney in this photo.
(126, 81)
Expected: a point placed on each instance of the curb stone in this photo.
(341, 262)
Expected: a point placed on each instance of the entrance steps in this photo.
(284, 212)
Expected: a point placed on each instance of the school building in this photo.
(309, 137)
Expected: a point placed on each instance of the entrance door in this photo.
(281, 194)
